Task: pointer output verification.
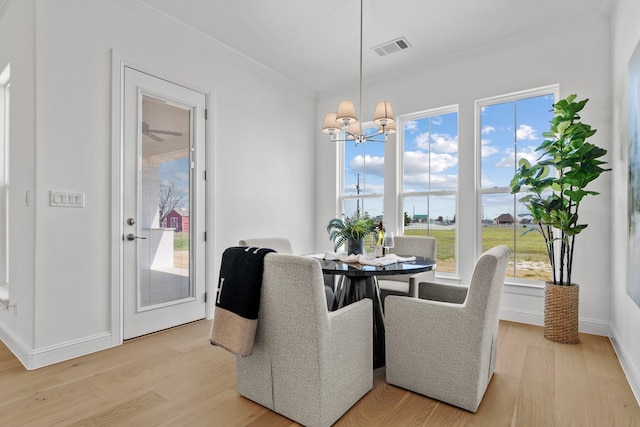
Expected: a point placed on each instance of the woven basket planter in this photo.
(561, 313)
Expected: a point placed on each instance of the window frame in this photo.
(553, 90)
(5, 96)
(342, 195)
(402, 195)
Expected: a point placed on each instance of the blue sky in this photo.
(510, 131)
(176, 171)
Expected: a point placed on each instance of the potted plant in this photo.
(351, 231)
(556, 187)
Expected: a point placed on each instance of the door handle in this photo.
(134, 237)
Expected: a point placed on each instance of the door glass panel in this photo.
(164, 180)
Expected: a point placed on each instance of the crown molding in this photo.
(488, 48)
(224, 49)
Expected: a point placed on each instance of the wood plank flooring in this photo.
(176, 378)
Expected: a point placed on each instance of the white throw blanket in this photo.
(363, 259)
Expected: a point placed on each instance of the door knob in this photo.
(131, 221)
(134, 237)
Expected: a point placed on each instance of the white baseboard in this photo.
(69, 350)
(522, 316)
(530, 317)
(17, 347)
(38, 358)
(633, 377)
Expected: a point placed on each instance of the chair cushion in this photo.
(393, 286)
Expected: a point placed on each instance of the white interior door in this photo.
(163, 199)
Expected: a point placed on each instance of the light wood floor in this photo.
(176, 378)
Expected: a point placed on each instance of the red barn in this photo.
(178, 219)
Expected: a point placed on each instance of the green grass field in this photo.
(180, 241)
(531, 263)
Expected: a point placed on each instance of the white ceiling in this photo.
(316, 42)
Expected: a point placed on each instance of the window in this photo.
(429, 142)
(4, 181)
(363, 177)
(511, 128)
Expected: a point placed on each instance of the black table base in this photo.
(359, 281)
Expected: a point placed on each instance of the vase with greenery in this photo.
(556, 186)
(350, 230)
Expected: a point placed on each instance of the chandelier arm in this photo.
(361, 25)
(349, 116)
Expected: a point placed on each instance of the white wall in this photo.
(260, 182)
(258, 176)
(579, 64)
(625, 315)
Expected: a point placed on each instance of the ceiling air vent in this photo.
(392, 46)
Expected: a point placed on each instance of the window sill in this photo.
(531, 285)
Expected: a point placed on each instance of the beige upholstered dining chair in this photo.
(278, 244)
(308, 364)
(446, 348)
(407, 285)
(283, 245)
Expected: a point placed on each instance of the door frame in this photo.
(118, 64)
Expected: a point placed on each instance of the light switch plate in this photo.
(66, 199)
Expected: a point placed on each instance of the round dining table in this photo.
(358, 281)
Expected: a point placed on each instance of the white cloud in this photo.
(486, 182)
(439, 181)
(488, 150)
(487, 130)
(374, 165)
(417, 162)
(374, 188)
(422, 141)
(411, 125)
(440, 142)
(526, 132)
(444, 143)
(528, 153)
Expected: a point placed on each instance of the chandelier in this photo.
(344, 125)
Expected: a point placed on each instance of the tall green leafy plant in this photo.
(556, 183)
